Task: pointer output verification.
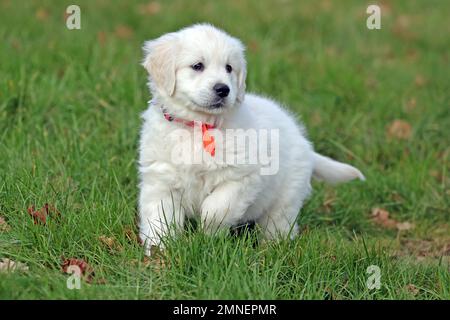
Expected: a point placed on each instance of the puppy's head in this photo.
(200, 67)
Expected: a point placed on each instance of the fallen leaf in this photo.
(87, 272)
(110, 243)
(38, 215)
(326, 5)
(150, 8)
(404, 226)
(399, 129)
(381, 217)
(402, 28)
(420, 80)
(8, 265)
(123, 32)
(42, 14)
(131, 235)
(41, 215)
(4, 226)
(411, 104)
(412, 289)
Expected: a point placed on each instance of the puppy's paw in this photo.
(215, 215)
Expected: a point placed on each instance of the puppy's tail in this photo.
(333, 171)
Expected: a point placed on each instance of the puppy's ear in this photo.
(242, 75)
(160, 61)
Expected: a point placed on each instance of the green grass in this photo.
(69, 122)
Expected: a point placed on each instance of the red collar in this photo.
(188, 123)
(208, 140)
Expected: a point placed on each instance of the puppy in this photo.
(197, 80)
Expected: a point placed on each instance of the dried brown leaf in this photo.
(131, 235)
(402, 27)
(381, 217)
(150, 8)
(412, 289)
(399, 129)
(4, 226)
(8, 265)
(411, 104)
(420, 80)
(123, 32)
(404, 226)
(41, 215)
(110, 243)
(42, 14)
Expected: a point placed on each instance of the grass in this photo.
(69, 122)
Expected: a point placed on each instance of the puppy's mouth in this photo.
(218, 104)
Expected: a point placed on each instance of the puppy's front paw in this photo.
(215, 215)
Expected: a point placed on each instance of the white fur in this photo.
(222, 195)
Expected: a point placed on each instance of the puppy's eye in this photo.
(228, 68)
(198, 66)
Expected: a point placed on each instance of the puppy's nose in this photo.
(222, 90)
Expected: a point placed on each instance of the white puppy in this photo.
(197, 80)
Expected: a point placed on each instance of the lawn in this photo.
(70, 104)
